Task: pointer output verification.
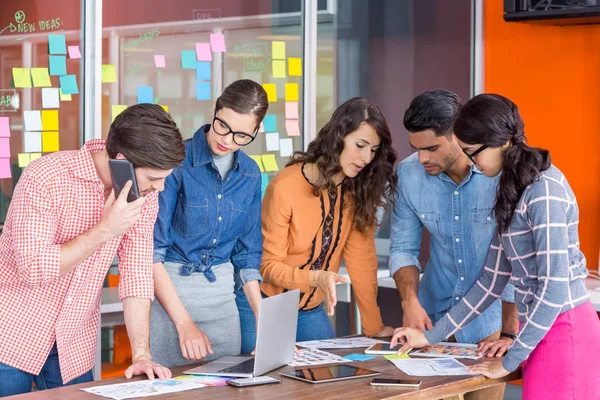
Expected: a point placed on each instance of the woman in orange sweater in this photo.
(320, 208)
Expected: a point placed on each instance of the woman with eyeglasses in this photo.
(537, 248)
(207, 237)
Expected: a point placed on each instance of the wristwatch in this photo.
(508, 335)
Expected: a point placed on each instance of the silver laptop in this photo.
(276, 336)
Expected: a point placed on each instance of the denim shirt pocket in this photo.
(431, 221)
(190, 217)
(483, 229)
(238, 216)
(483, 215)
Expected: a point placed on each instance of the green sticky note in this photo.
(396, 356)
(41, 77)
(68, 84)
(188, 59)
(58, 65)
(21, 77)
(57, 44)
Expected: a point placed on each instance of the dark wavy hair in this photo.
(494, 120)
(375, 185)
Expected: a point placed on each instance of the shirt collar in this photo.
(201, 153)
(472, 171)
(83, 165)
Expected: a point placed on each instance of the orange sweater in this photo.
(292, 234)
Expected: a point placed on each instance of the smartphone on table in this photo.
(414, 383)
(122, 171)
(383, 348)
(259, 380)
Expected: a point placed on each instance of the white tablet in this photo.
(329, 374)
(383, 348)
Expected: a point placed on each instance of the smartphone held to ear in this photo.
(121, 172)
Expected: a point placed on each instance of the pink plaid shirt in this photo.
(58, 197)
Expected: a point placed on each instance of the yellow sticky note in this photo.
(23, 160)
(49, 120)
(22, 77)
(291, 92)
(270, 162)
(271, 90)
(396, 356)
(49, 142)
(34, 156)
(294, 66)
(109, 73)
(64, 97)
(41, 77)
(278, 50)
(166, 108)
(117, 109)
(258, 160)
(278, 68)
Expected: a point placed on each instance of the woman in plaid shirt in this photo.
(537, 247)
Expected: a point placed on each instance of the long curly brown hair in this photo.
(375, 185)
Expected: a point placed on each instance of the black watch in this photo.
(508, 335)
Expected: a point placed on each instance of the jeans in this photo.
(312, 324)
(14, 381)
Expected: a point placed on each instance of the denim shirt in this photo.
(205, 221)
(461, 225)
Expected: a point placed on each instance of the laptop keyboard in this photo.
(245, 367)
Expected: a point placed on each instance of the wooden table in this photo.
(431, 388)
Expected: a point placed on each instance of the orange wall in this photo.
(552, 74)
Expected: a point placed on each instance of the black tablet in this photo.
(329, 374)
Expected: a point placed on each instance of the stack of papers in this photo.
(130, 390)
(349, 343)
(316, 357)
(431, 367)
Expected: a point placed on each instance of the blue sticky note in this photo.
(270, 123)
(202, 90)
(358, 357)
(188, 59)
(57, 44)
(145, 94)
(264, 182)
(57, 65)
(68, 84)
(203, 71)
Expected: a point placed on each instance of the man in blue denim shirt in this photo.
(439, 190)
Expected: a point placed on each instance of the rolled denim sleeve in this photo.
(167, 200)
(247, 252)
(508, 295)
(405, 241)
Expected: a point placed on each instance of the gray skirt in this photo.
(212, 308)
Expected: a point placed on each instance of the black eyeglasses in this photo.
(222, 129)
(472, 156)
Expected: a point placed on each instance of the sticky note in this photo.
(57, 44)
(217, 42)
(270, 162)
(74, 52)
(166, 108)
(68, 84)
(5, 147)
(32, 142)
(49, 142)
(50, 98)
(261, 127)
(188, 59)
(358, 357)
(145, 94)
(203, 52)
(278, 50)
(294, 66)
(4, 127)
(35, 156)
(264, 182)
(23, 159)
(291, 92)
(203, 71)
(286, 147)
(22, 77)
(202, 90)
(49, 120)
(109, 73)
(272, 141)
(292, 127)
(41, 77)
(64, 97)
(57, 65)
(258, 160)
(278, 68)
(271, 90)
(5, 168)
(160, 61)
(395, 356)
(117, 109)
(270, 123)
(33, 120)
(291, 109)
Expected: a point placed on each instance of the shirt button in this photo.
(462, 278)
(457, 240)
(422, 215)
(214, 241)
(489, 218)
(456, 192)
(456, 218)
(460, 260)
(220, 219)
(457, 298)
(219, 196)
(203, 256)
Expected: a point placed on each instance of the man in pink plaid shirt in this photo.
(63, 229)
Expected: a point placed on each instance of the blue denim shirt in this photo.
(460, 222)
(205, 221)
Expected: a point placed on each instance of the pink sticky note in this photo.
(261, 127)
(4, 127)
(291, 109)
(217, 42)
(5, 147)
(292, 127)
(74, 52)
(5, 168)
(203, 52)
(159, 61)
